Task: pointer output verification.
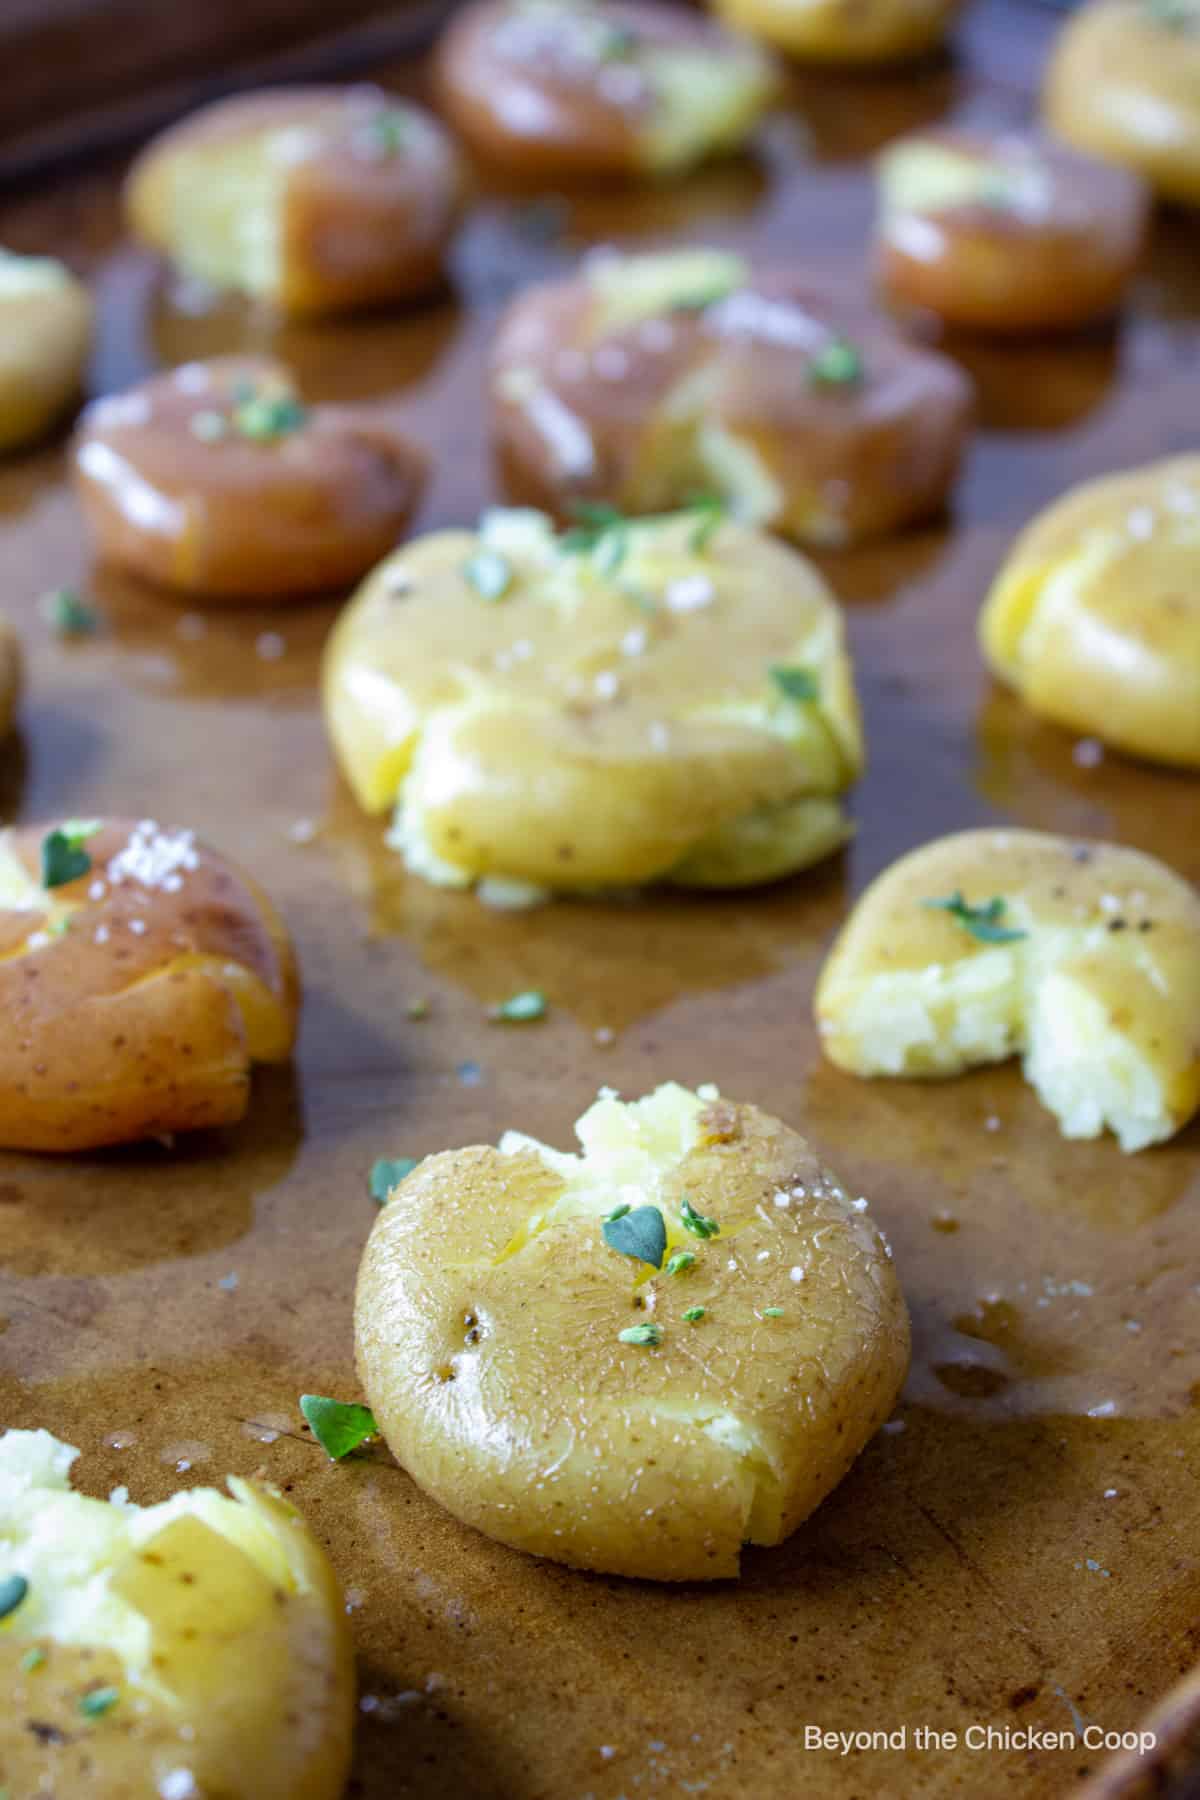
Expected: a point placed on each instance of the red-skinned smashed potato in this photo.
(646, 380)
(215, 480)
(314, 200)
(141, 975)
(599, 88)
(1006, 232)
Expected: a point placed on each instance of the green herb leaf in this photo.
(693, 1314)
(839, 364)
(417, 1009)
(679, 1261)
(618, 1212)
(696, 1223)
(489, 573)
(710, 511)
(772, 1312)
(268, 417)
(602, 532)
(33, 1658)
(387, 1174)
(385, 134)
(68, 614)
(795, 682)
(618, 43)
(339, 1426)
(641, 1234)
(63, 857)
(520, 1009)
(98, 1701)
(648, 1334)
(983, 922)
(13, 1589)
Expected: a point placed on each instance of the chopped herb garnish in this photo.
(63, 857)
(839, 364)
(641, 1233)
(772, 1312)
(68, 614)
(339, 1426)
(13, 1589)
(385, 134)
(983, 922)
(647, 1334)
(601, 532)
(694, 1313)
(520, 1009)
(794, 682)
(618, 43)
(209, 426)
(710, 511)
(618, 1212)
(489, 573)
(696, 1223)
(678, 1261)
(387, 1174)
(33, 1658)
(702, 298)
(98, 1701)
(266, 417)
(417, 1009)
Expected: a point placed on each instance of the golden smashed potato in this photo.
(1095, 616)
(314, 200)
(845, 31)
(1081, 958)
(45, 335)
(1124, 84)
(646, 379)
(1006, 232)
(639, 1358)
(183, 1651)
(140, 976)
(569, 89)
(215, 480)
(631, 701)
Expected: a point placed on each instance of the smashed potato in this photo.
(45, 335)
(191, 1649)
(315, 200)
(639, 1358)
(1081, 958)
(633, 701)
(1006, 232)
(833, 31)
(1095, 616)
(646, 379)
(215, 480)
(140, 975)
(1124, 84)
(563, 89)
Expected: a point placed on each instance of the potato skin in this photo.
(144, 1013)
(829, 31)
(842, 463)
(357, 226)
(45, 334)
(261, 1680)
(1129, 931)
(520, 767)
(1124, 84)
(1049, 241)
(1095, 616)
(500, 1383)
(557, 110)
(235, 518)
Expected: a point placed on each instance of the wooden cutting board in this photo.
(1020, 1549)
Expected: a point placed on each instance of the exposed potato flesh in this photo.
(311, 199)
(45, 334)
(139, 993)
(1124, 84)
(204, 1637)
(1095, 616)
(1005, 232)
(488, 1315)
(1088, 969)
(609, 719)
(587, 88)
(647, 379)
(830, 31)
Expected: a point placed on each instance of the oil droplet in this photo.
(120, 1440)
